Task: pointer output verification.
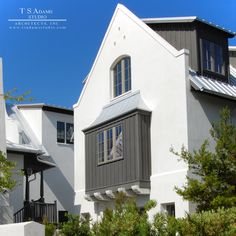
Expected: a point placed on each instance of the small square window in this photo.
(65, 132)
(168, 208)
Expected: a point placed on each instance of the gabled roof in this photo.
(31, 143)
(185, 20)
(120, 107)
(120, 9)
(211, 86)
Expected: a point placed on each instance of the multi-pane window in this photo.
(122, 77)
(110, 144)
(212, 57)
(65, 132)
(100, 153)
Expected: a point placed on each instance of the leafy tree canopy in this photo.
(213, 184)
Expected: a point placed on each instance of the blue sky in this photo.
(53, 63)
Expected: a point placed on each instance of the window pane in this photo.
(100, 153)
(109, 144)
(218, 59)
(206, 54)
(60, 132)
(69, 133)
(127, 74)
(117, 80)
(119, 142)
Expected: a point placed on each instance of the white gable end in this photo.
(158, 71)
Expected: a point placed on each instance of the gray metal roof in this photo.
(184, 19)
(22, 148)
(121, 106)
(212, 86)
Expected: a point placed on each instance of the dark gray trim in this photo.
(48, 108)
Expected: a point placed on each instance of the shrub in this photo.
(125, 219)
(76, 226)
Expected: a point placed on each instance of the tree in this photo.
(213, 184)
(6, 167)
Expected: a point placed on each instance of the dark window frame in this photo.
(213, 61)
(65, 139)
(121, 76)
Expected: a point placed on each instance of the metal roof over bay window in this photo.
(212, 86)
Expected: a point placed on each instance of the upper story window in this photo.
(121, 77)
(212, 55)
(110, 144)
(65, 132)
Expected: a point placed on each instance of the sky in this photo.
(52, 61)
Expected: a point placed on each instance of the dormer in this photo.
(207, 43)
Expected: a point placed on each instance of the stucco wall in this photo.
(17, 194)
(159, 72)
(58, 181)
(23, 229)
(2, 114)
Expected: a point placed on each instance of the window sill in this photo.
(110, 161)
(65, 144)
(121, 96)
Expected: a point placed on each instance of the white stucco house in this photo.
(39, 139)
(155, 83)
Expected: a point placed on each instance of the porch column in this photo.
(41, 187)
(26, 187)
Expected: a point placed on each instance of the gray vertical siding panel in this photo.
(132, 168)
(180, 36)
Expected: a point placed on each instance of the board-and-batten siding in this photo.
(133, 169)
(180, 36)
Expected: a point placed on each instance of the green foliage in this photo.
(6, 167)
(10, 96)
(207, 223)
(210, 223)
(76, 226)
(49, 228)
(125, 219)
(215, 185)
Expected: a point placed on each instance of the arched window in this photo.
(121, 76)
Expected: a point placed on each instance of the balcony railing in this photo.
(37, 211)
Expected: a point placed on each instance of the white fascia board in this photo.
(232, 48)
(169, 48)
(169, 19)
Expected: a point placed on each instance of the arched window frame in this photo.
(121, 76)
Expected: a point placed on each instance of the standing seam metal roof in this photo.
(212, 86)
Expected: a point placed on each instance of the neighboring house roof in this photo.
(29, 142)
(232, 48)
(185, 20)
(212, 86)
(46, 107)
(119, 107)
